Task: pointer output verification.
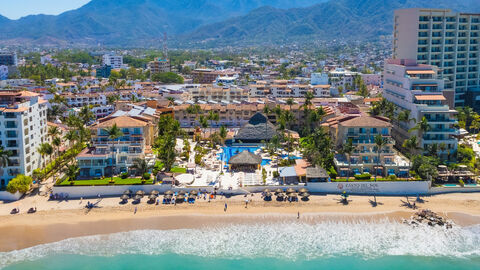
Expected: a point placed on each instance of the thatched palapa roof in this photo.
(247, 158)
(258, 128)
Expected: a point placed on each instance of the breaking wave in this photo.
(290, 241)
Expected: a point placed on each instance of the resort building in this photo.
(209, 92)
(107, 156)
(257, 130)
(8, 59)
(444, 39)
(415, 88)
(366, 158)
(235, 115)
(23, 127)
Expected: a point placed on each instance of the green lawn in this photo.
(105, 181)
(178, 170)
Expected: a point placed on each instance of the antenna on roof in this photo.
(165, 47)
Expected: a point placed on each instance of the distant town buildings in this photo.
(444, 39)
(112, 60)
(8, 59)
(159, 66)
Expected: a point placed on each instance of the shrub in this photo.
(275, 174)
(392, 177)
(20, 183)
(146, 176)
(332, 173)
(124, 175)
(462, 184)
(363, 176)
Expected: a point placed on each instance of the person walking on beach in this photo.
(298, 215)
(225, 209)
(246, 203)
(135, 211)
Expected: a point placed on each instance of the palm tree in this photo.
(171, 100)
(113, 133)
(347, 150)
(4, 157)
(212, 116)
(223, 134)
(306, 111)
(422, 126)
(45, 149)
(71, 136)
(203, 123)
(380, 142)
(71, 171)
(266, 111)
(411, 146)
(140, 166)
(53, 131)
(194, 109)
(86, 114)
(56, 141)
(290, 103)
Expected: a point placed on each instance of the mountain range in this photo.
(142, 22)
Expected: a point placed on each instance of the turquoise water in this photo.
(230, 151)
(327, 245)
(172, 261)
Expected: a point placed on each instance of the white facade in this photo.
(417, 89)
(115, 61)
(23, 127)
(442, 38)
(318, 78)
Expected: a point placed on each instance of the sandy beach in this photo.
(55, 221)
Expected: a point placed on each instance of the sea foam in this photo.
(291, 241)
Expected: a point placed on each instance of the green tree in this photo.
(45, 149)
(140, 166)
(114, 133)
(20, 183)
(71, 171)
(167, 77)
(86, 114)
(223, 134)
(380, 143)
(347, 150)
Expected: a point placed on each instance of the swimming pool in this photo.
(230, 151)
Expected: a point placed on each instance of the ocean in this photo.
(326, 245)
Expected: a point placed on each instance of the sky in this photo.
(14, 9)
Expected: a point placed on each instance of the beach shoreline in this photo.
(70, 219)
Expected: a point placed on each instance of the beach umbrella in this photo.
(268, 194)
(292, 195)
(138, 197)
(127, 192)
(266, 190)
(281, 195)
(154, 192)
(152, 197)
(169, 192)
(278, 190)
(290, 190)
(140, 193)
(303, 190)
(181, 192)
(124, 197)
(194, 192)
(180, 197)
(192, 196)
(305, 195)
(168, 196)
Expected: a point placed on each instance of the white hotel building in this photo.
(23, 127)
(415, 87)
(115, 61)
(445, 39)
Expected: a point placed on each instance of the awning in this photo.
(430, 97)
(420, 72)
